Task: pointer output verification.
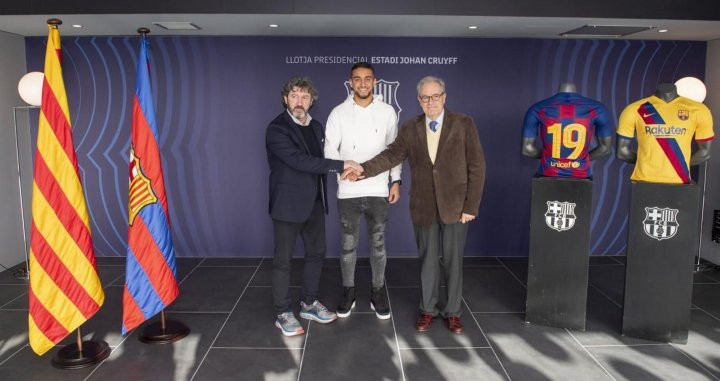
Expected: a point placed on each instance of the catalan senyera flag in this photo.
(150, 283)
(65, 289)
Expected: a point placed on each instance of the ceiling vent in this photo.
(176, 25)
(605, 31)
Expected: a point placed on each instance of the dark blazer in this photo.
(454, 184)
(294, 171)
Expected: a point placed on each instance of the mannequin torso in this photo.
(666, 91)
(567, 87)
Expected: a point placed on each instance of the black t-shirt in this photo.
(315, 150)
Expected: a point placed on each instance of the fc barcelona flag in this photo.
(64, 290)
(150, 283)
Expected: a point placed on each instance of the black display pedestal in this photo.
(559, 245)
(662, 243)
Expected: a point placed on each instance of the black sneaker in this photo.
(347, 303)
(379, 303)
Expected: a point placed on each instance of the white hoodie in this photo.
(359, 133)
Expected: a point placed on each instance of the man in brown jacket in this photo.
(447, 170)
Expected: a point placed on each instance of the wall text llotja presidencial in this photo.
(389, 60)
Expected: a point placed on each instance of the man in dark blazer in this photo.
(447, 171)
(298, 201)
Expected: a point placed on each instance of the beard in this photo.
(359, 95)
(299, 112)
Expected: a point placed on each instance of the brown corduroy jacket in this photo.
(454, 184)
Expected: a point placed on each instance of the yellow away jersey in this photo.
(664, 134)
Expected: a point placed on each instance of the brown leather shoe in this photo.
(454, 324)
(424, 322)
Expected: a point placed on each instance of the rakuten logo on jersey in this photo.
(665, 130)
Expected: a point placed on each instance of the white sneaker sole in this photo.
(346, 314)
(317, 319)
(287, 333)
(382, 317)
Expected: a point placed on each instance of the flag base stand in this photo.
(91, 352)
(22, 274)
(155, 333)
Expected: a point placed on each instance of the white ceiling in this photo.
(352, 25)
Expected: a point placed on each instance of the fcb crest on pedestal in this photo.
(660, 223)
(560, 215)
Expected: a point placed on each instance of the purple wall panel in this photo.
(215, 95)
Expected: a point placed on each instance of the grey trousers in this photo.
(441, 247)
(375, 210)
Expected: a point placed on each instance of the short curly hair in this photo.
(304, 83)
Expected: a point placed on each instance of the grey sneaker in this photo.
(288, 324)
(316, 311)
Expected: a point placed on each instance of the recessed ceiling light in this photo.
(662, 30)
(176, 25)
(472, 27)
(273, 25)
(77, 26)
(604, 31)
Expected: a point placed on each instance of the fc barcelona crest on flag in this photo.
(141, 192)
(386, 91)
(683, 114)
(660, 223)
(560, 216)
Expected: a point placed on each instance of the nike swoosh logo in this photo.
(646, 115)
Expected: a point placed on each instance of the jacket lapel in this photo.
(444, 133)
(319, 135)
(420, 127)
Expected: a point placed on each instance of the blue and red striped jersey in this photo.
(566, 123)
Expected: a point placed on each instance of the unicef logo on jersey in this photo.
(560, 216)
(565, 164)
(384, 90)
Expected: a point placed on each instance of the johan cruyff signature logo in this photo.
(386, 91)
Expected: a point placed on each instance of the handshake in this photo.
(352, 171)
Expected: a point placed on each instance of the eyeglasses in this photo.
(427, 98)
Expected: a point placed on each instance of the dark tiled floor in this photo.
(227, 304)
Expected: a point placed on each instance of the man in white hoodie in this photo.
(358, 129)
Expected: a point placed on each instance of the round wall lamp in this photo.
(692, 88)
(30, 88)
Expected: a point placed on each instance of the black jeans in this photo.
(312, 232)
